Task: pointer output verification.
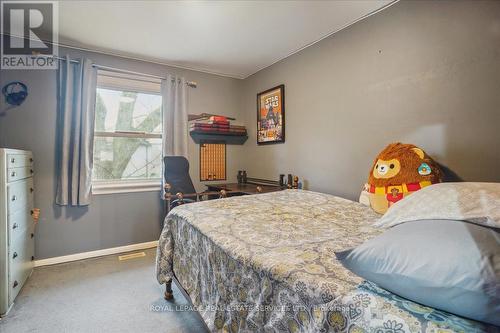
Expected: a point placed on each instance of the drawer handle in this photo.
(31, 189)
(13, 174)
(14, 226)
(32, 235)
(35, 212)
(14, 256)
(32, 258)
(15, 284)
(31, 159)
(12, 160)
(14, 198)
(31, 170)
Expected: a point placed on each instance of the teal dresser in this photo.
(17, 227)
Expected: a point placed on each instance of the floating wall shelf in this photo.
(218, 138)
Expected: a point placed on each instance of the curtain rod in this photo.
(191, 84)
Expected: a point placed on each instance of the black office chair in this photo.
(176, 170)
(178, 182)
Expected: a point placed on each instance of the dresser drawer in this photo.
(19, 222)
(20, 195)
(21, 259)
(14, 174)
(19, 160)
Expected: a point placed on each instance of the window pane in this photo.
(126, 158)
(127, 111)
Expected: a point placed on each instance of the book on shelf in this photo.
(218, 123)
(222, 130)
(218, 131)
(227, 129)
(221, 126)
(203, 129)
(195, 125)
(238, 126)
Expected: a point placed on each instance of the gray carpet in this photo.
(99, 295)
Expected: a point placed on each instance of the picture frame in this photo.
(271, 116)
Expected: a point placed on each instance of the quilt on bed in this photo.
(266, 263)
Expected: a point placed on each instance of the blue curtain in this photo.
(76, 98)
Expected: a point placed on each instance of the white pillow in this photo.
(474, 202)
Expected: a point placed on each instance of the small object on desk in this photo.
(282, 180)
(240, 177)
(290, 180)
(244, 177)
(259, 189)
(295, 184)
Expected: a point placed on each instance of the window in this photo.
(212, 161)
(127, 138)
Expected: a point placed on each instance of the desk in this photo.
(242, 189)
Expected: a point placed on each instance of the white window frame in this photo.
(125, 186)
(100, 187)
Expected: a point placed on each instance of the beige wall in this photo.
(422, 72)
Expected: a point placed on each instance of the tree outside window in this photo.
(128, 128)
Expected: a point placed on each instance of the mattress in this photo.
(266, 263)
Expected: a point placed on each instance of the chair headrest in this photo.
(177, 174)
(176, 164)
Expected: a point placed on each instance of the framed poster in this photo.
(271, 116)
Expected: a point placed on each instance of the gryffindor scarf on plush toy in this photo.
(399, 170)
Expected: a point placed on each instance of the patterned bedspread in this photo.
(266, 263)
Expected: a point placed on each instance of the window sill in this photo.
(99, 188)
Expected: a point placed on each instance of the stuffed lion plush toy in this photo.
(399, 170)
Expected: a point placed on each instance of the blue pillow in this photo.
(445, 264)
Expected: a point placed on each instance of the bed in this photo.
(266, 263)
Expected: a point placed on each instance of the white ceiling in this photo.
(231, 38)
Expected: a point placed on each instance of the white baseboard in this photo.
(97, 253)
